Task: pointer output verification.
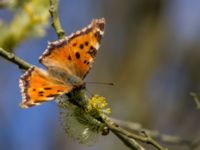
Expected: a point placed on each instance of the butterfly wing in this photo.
(75, 54)
(37, 86)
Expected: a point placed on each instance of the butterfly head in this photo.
(77, 82)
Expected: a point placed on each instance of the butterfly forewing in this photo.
(76, 52)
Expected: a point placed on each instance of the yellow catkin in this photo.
(97, 104)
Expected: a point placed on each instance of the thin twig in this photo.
(131, 143)
(13, 58)
(146, 139)
(55, 18)
(136, 127)
(196, 99)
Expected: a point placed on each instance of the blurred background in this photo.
(150, 51)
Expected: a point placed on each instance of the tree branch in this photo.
(145, 139)
(55, 18)
(196, 99)
(169, 139)
(131, 143)
(13, 58)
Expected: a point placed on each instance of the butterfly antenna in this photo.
(102, 83)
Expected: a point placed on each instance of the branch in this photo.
(55, 18)
(131, 143)
(145, 139)
(13, 58)
(3, 3)
(196, 99)
(169, 139)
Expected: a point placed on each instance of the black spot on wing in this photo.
(81, 46)
(69, 57)
(98, 36)
(41, 92)
(86, 43)
(74, 44)
(47, 88)
(92, 51)
(77, 54)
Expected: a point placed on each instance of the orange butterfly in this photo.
(67, 61)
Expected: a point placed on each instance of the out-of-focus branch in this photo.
(196, 99)
(28, 21)
(55, 18)
(165, 138)
(136, 127)
(3, 3)
(142, 138)
(131, 143)
(13, 58)
(195, 144)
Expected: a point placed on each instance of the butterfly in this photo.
(67, 62)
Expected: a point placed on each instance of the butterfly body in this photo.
(67, 61)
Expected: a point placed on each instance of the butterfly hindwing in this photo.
(37, 86)
(75, 54)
